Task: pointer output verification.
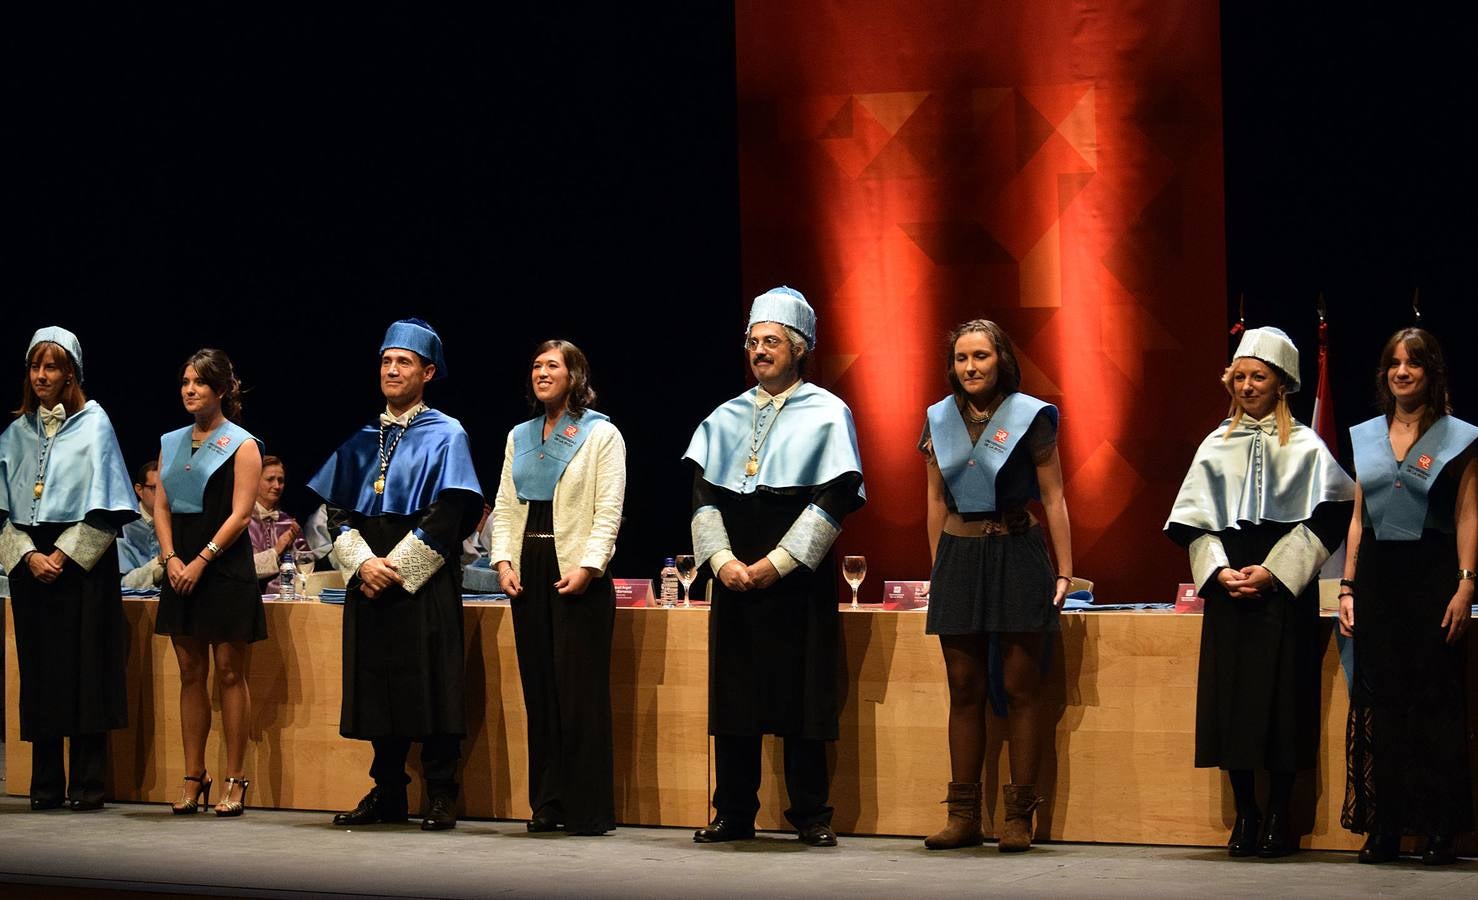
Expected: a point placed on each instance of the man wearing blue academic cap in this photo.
(401, 494)
(776, 470)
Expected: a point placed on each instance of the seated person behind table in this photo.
(272, 530)
(315, 532)
(478, 575)
(138, 547)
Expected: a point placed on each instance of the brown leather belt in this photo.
(1015, 521)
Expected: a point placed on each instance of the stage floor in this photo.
(138, 847)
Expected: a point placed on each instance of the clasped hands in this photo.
(377, 574)
(738, 577)
(573, 583)
(46, 567)
(183, 578)
(1249, 582)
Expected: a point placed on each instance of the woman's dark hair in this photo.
(1421, 349)
(582, 395)
(72, 397)
(214, 368)
(1008, 370)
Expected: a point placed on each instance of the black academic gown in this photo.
(774, 661)
(403, 657)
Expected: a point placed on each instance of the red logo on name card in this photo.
(1001, 435)
(1424, 461)
(571, 431)
(223, 441)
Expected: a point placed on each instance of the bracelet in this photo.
(164, 559)
(214, 550)
(1067, 578)
(1345, 582)
(1344, 595)
(1467, 575)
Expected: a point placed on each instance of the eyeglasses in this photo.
(770, 341)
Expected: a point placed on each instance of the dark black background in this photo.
(284, 184)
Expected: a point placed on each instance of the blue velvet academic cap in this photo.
(62, 338)
(786, 306)
(417, 336)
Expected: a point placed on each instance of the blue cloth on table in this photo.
(1076, 603)
(141, 592)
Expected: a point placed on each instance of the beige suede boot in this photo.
(1021, 802)
(963, 827)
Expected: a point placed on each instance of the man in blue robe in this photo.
(138, 545)
(776, 470)
(401, 494)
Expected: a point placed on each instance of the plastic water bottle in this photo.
(669, 594)
(287, 577)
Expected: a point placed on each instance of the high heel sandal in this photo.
(228, 808)
(191, 803)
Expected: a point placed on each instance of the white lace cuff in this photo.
(1295, 559)
(720, 559)
(783, 562)
(1207, 555)
(266, 563)
(149, 575)
(85, 544)
(14, 544)
(709, 535)
(810, 536)
(416, 562)
(351, 551)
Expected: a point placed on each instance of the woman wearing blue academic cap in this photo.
(1260, 510)
(64, 494)
(554, 530)
(1406, 599)
(210, 606)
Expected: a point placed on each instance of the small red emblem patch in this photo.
(1424, 461)
(1001, 435)
(571, 431)
(223, 441)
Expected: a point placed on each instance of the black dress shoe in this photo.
(373, 810)
(540, 825)
(85, 805)
(441, 816)
(722, 829)
(1243, 841)
(37, 805)
(1439, 851)
(1380, 848)
(818, 835)
(1275, 841)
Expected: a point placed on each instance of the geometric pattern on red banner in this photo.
(1058, 169)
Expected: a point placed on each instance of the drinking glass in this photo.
(304, 559)
(687, 570)
(854, 569)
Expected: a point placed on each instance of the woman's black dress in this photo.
(226, 605)
(564, 662)
(1408, 725)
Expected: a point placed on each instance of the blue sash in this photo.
(1396, 493)
(971, 470)
(184, 472)
(432, 456)
(537, 463)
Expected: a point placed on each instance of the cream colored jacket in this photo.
(587, 505)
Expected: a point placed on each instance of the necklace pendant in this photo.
(380, 485)
(752, 466)
(40, 486)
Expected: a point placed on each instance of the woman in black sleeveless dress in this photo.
(210, 606)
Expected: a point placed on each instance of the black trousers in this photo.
(440, 754)
(737, 776)
(87, 762)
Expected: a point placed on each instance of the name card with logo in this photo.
(905, 595)
(1186, 600)
(632, 591)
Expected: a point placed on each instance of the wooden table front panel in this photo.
(1120, 689)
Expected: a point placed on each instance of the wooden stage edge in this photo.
(1121, 689)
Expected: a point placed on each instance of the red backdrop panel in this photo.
(1054, 166)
